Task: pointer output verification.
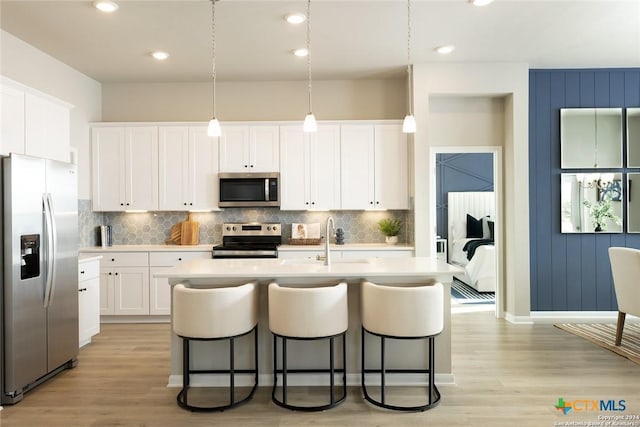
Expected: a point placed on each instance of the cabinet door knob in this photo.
(179, 259)
(121, 204)
(370, 203)
(116, 273)
(82, 272)
(109, 273)
(190, 204)
(246, 166)
(185, 203)
(127, 204)
(113, 259)
(251, 165)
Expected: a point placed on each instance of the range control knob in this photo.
(233, 228)
(228, 228)
(275, 228)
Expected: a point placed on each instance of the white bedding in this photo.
(480, 271)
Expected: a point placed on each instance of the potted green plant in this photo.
(390, 227)
(601, 212)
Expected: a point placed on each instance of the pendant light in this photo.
(214, 124)
(409, 124)
(309, 120)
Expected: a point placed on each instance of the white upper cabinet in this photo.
(391, 170)
(12, 116)
(124, 168)
(373, 166)
(310, 172)
(33, 123)
(188, 169)
(249, 148)
(46, 128)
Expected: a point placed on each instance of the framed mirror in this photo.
(591, 138)
(633, 137)
(592, 203)
(633, 203)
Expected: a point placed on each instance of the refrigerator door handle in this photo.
(51, 247)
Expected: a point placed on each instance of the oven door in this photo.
(230, 253)
(249, 189)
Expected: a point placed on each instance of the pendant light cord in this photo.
(409, 57)
(213, 54)
(309, 51)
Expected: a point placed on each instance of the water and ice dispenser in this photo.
(29, 256)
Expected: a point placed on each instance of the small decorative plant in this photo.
(600, 212)
(390, 226)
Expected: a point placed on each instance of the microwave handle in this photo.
(266, 189)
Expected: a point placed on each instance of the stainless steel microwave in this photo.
(249, 189)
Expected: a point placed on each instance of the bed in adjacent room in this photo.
(471, 238)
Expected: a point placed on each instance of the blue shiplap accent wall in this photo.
(570, 272)
(460, 172)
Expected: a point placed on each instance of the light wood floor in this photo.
(506, 375)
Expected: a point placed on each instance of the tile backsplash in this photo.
(155, 227)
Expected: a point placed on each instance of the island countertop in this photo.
(346, 268)
(305, 272)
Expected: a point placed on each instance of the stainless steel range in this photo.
(251, 240)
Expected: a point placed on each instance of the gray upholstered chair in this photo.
(625, 266)
(212, 314)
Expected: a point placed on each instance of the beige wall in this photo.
(508, 82)
(25, 64)
(336, 99)
(466, 121)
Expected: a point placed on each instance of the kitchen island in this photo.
(305, 272)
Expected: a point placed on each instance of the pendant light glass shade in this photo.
(309, 120)
(214, 128)
(310, 123)
(409, 124)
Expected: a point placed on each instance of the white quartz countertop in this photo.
(148, 248)
(261, 269)
(347, 247)
(209, 246)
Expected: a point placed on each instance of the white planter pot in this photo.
(391, 240)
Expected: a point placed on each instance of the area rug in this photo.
(604, 335)
(465, 294)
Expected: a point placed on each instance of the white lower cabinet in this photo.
(312, 254)
(124, 283)
(88, 300)
(395, 253)
(127, 285)
(159, 288)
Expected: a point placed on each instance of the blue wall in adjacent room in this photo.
(460, 172)
(570, 272)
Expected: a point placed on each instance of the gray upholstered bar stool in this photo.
(401, 312)
(318, 313)
(210, 314)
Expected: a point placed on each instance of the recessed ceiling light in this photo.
(300, 52)
(295, 18)
(159, 55)
(105, 6)
(480, 2)
(445, 50)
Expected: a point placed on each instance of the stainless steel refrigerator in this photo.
(40, 272)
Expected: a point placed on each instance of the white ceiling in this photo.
(350, 39)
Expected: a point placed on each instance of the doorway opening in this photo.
(471, 228)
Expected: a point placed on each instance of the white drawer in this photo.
(88, 270)
(169, 259)
(125, 259)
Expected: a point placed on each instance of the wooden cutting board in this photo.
(189, 231)
(175, 239)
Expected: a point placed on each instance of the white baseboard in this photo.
(135, 319)
(573, 316)
(518, 320)
(266, 380)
